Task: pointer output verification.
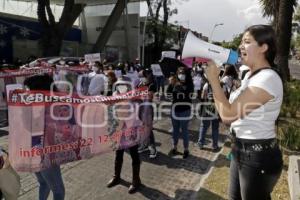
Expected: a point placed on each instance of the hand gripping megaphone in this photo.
(195, 47)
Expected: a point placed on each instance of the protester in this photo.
(111, 80)
(122, 85)
(229, 79)
(9, 180)
(147, 79)
(198, 81)
(49, 178)
(98, 82)
(159, 78)
(172, 82)
(252, 111)
(209, 116)
(181, 109)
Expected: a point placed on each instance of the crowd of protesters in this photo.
(188, 86)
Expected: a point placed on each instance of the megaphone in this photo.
(195, 47)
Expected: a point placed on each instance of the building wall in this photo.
(116, 47)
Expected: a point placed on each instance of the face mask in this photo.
(181, 77)
(122, 88)
(62, 62)
(95, 69)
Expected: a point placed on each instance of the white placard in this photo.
(156, 70)
(12, 87)
(92, 57)
(168, 54)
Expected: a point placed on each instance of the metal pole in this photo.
(144, 30)
(212, 32)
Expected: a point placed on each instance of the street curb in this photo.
(209, 170)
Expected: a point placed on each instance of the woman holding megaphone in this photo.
(252, 111)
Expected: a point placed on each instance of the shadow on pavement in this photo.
(153, 194)
(193, 135)
(206, 194)
(192, 163)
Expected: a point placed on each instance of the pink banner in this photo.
(47, 129)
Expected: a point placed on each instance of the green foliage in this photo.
(296, 42)
(291, 100)
(234, 44)
(289, 136)
(289, 129)
(170, 31)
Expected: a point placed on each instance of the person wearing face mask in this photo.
(147, 79)
(181, 109)
(124, 85)
(111, 80)
(49, 179)
(98, 84)
(251, 111)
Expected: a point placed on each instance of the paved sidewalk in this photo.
(163, 178)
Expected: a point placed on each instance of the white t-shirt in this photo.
(98, 84)
(260, 123)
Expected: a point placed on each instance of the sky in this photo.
(198, 15)
(202, 15)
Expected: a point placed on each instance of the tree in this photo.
(54, 32)
(284, 33)
(282, 13)
(234, 44)
(159, 29)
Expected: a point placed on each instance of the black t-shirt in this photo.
(182, 94)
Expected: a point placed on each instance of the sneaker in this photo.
(186, 153)
(170, 130)
(153, 152)
(143, 148)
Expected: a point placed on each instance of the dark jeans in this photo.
(181, 121)
(160, 83)
(254, 174)
(133, 153)
(215, 131)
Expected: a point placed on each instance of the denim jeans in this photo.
(51, 179)
(183, 125)
(215, 131)
(160, 83)
(254, 174)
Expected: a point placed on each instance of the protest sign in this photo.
(92, 57)
(168, 54)
(156, 70)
